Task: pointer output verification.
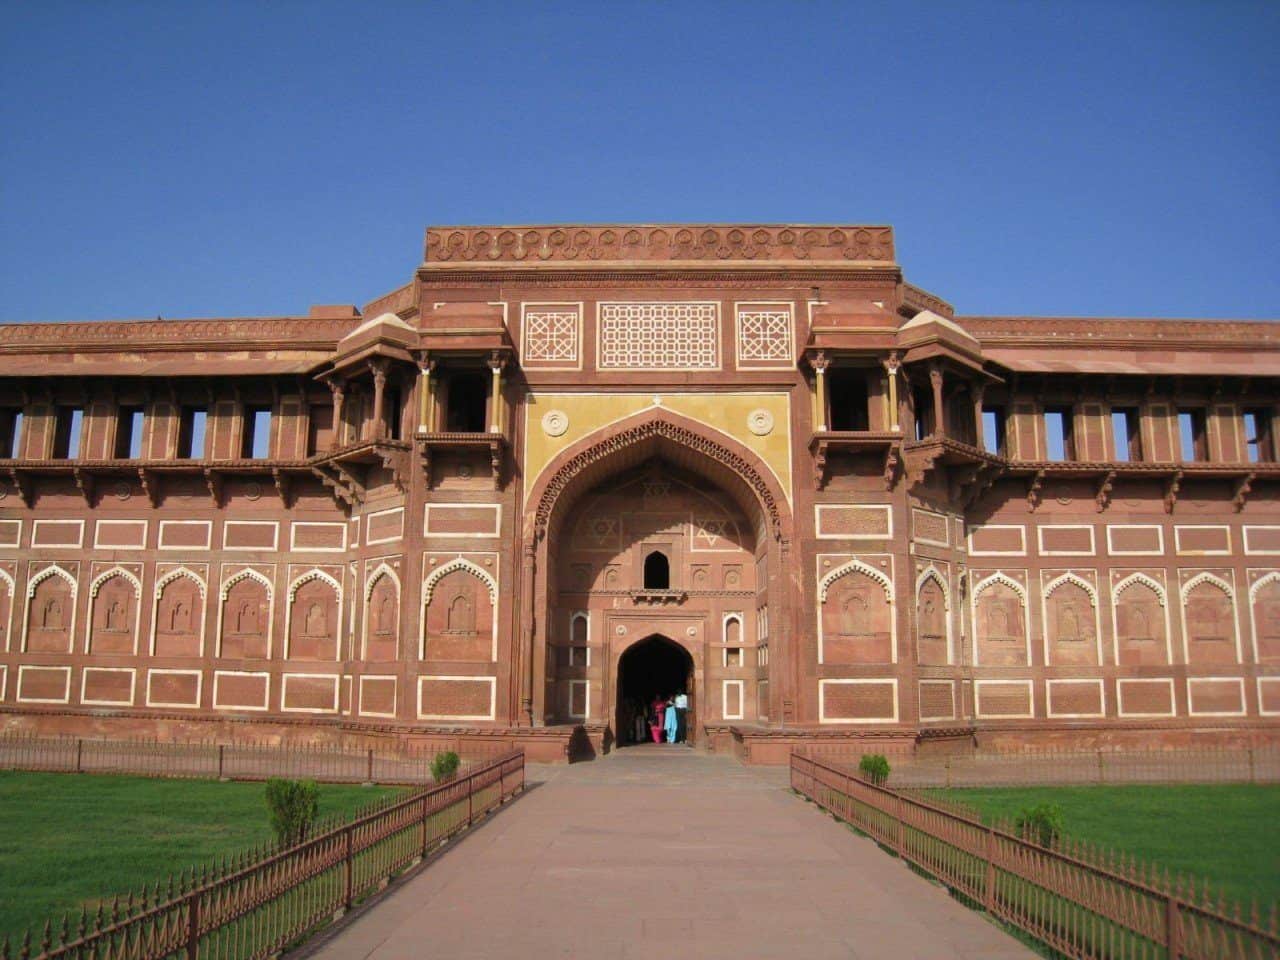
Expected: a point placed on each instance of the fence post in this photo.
(471, 794)
(1253, 773)
(1172, 929)
(350, 891)
(221, 763)
(1101, 775)
(902, 826)
(79, 755)
(989, 895)
(424, 826)
(193, 927)
(502, 783)
(369, 771)
(947, 766)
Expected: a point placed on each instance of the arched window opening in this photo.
(657, 571)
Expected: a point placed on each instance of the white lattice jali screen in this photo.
(659, 336)
(764, 335)
(550, 336)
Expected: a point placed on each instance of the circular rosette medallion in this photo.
(555, 423)
(760, 422)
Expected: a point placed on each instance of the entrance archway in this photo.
(653, 667)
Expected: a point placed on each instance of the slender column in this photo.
(425, 367)
(527, 633)
(819, 363)
(935, 379)
(978, 391)
(339, 426)
(891, 370)
(538, 639)
(496, 362)
(379, 370)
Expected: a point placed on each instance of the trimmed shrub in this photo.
(1040, 824)
(445, 766)
(874, 767)
(293, 806)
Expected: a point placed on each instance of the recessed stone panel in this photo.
(44, 684)
(234, 690)
(1075, 698)
(103, 685)
(173, 688)
(1003, 698)
(1202, 540)
(1215, 696)
(250, 535)
(384, 526)
(456, 698)
(462, 519)
(181, 534)
(937, 700)
(318, 536)
(1145, 697)
(117, 534)
(865, 701)
(310, 693)
(378, 696)
(998, 540)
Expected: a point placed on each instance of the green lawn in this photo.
(66, 839)
(1228, 833)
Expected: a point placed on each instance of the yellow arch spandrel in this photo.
(726, 413)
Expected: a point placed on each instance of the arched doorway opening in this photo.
(654, 667)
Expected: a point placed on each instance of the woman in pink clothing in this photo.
(657, 714)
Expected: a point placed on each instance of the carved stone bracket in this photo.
(1241, 493)
(1171, 491)
(85, 484)
(24, 485)
(918, 463)
(891, 460)
(150, 485)
(395, 461)
(819, 464)
(341, 493)
(351, 480)
(1034, 486)
(282, 486)
(982, 483)
(213, 480)
(1103, 497)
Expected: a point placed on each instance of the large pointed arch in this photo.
(52, 570)
(855, 566)
(686, 444)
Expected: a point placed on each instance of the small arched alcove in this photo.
(657, 571)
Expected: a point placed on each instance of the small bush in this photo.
(293, 806)
(1041, 824)
(874, 767)
(444, 766)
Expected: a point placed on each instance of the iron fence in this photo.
(1091, 767)
(268, 900)
(1084, 903)
(164, 758)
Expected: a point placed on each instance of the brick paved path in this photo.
(666, 856)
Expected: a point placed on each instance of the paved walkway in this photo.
(667, 856)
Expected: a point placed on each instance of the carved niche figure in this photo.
(50, 630)
(113, 618)
(931, 623)
(1000, 628)
(459, 619)
(1140, 634)
(856, 621)
(244, 622)
(313, 621)
(1070, 625)
(384, 600)
(1211, 631)
(1266, 619)
(177, 626)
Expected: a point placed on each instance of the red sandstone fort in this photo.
(565, 466)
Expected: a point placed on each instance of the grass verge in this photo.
(68, 839)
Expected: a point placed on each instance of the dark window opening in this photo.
(922, 401)
(393, 411)
(847, 400)
(11, 432)
(128, 433)
(465, 404)
(657, 571)
(191, 430)
(320, 429)
(67, 426)
(255, 440)
(1257, 436)
(993, 427)
(1191, 433)
(1059, 443)
(1126, 433)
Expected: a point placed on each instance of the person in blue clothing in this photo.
(670, 722)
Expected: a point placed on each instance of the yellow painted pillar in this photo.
(819, 364)
(891, 369)
(495, 394)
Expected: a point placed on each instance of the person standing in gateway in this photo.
(682, 709)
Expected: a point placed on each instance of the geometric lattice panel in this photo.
(552, 336)
(658, 336)
(764, 335)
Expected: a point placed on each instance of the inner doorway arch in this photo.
(656, 666)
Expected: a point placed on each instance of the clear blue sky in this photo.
(183, 159)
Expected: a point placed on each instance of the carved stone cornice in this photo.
(659, 242)
(266, 333)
